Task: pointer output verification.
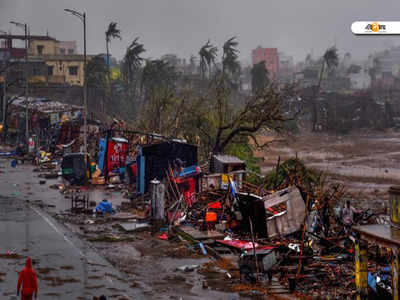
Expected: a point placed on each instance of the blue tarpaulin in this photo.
(104, 207)
(372, 281)
(5, 154)
(102, 154)
(372, 278)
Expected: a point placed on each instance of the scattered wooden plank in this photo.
(201, 235)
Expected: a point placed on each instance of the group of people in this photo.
(28, 285)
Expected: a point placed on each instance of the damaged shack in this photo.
(51, 121)
(171, 158)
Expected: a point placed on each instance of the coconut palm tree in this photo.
(330, 60)
(158, 73)
(97, 72)
(259, 77)
(374, 70)
(230, 56)
(97, 78)
(112, 32)
(131, 64)
(230, 64)
(208, 54)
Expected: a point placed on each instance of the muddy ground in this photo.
(146, 263)
(366, 163)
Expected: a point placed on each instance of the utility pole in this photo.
(3, 119)
(4, 99)
(25, 26)
(82, 17)
(84, 86)
(26, 87)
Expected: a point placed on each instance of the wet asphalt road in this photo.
(67, 267)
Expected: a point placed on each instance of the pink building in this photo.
(270, 56)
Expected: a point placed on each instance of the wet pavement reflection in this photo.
(67, 268)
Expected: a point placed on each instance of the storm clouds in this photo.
(182, 26)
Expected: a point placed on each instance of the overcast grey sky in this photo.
(182, 26)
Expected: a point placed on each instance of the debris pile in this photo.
(293, 233)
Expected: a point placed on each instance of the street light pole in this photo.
(3, 119)
(26, 87)
(82, 17)
(84, 86)
(4, 98)
(25, 26)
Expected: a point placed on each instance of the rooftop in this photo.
(45, 105)
(30, 37)
(228, 159)
(61, 57)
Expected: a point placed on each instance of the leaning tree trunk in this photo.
(108, 69)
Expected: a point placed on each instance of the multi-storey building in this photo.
(271, 58)
(49, 60)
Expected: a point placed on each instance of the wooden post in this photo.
(157, 203)
(277, 172)
(254, 249)
(395, 273)
(361, 261)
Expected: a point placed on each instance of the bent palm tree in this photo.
(158, 73)
(330, 59)
(208, 54)
(112, 32)
(131, 63)
(259, 78)
(374, 70)
(230, 56)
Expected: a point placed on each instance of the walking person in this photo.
(348, 216)
(28, 281)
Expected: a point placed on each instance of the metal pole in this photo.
(84, 87)
(26, 86)
(395, 274)
(4, 98)
(361, 261)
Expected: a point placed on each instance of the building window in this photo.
(62, 50)
(73, 71)
(40, 49)
(70, 51)
(50, 70)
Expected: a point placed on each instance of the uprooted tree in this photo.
(218, 123)
(216, 117)
(212, 119)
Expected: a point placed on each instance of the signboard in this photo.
(116, 154)
(225, 181)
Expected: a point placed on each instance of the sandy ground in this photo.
(367, 164)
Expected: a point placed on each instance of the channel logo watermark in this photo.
(375, 27)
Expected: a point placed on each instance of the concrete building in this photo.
(62, 69)
(67, 47)
(42, 45)
(271, 58)
(52, 61)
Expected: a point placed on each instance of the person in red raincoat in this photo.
(27, 278)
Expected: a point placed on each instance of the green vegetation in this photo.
(202, 103)
(245, 152)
